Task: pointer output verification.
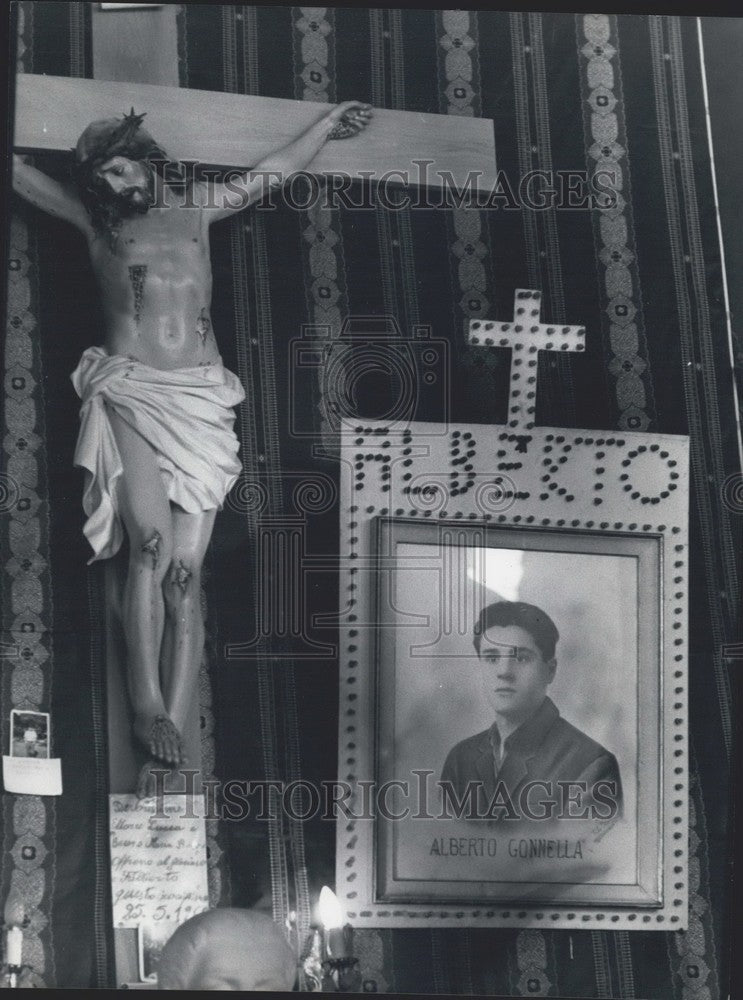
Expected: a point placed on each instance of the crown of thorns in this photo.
(103, 139)
(129, 125)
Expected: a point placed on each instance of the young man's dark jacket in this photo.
(544, 748)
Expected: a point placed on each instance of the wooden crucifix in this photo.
(236, 130)
(151, 322)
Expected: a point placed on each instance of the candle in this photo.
(15, 917)
(331, 915)
(348, 939)
(336, 943)
(14, 947)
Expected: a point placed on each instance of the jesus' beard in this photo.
(136, 200)
(110, 210)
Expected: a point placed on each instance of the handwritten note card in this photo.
(158, 859)
(32, 776)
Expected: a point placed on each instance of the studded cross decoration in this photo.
(526, 337)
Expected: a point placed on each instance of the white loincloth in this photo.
(186, 416)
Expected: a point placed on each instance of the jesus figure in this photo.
(156, 439)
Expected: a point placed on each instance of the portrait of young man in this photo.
(530, 763)
(511, 742)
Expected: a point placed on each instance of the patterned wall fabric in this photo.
(54, 849)
(586, 92)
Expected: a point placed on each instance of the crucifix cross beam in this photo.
(237, 130)
(526, 337)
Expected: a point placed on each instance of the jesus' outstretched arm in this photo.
(48, 194)
(343, 121)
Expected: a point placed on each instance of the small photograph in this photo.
(30, 734)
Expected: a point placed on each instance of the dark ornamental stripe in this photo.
(622, 315)
(698, 371)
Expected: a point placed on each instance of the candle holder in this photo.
(325, 973)
(311, 962)
(11, 975)
(343, 973)
(10, 971)
(327, 962)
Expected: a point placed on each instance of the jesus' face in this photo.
(129, 183)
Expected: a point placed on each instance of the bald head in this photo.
(227, 949)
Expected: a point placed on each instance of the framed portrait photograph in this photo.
(518, 690)
(512, 736)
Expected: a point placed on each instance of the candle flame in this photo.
(331, 911)
(15, 911)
